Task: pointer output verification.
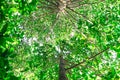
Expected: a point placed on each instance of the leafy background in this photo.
(32, 37)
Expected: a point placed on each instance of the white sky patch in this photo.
(72, 34)
(118, 16)
(48, 39)
(16, 13)
(40, 44)
(66, 52)
(104, 61)
(113, 57)
(41, 54)
(80, 72)
(119, 39)
(29, 41)
(34, 39)
(32, 49)
(36, 53)
(114, 54)
(25, 39)
(100, 66)
(111, 6)
(29, 1)
(21, 27)
(57, 49)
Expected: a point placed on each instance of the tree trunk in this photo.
(62, 72)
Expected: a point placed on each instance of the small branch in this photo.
(50, 1)
(79, 14)
(92, 57)
(47, 7)
(77, 1)
(75, 5)
(71, 15)
(54, 23)
(75, 12)
(43, 2)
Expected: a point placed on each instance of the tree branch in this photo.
(54, 3)
(79, 14)
(76, 1)
(71, 15)
(92, 57)
(78, 5)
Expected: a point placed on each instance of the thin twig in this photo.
(71, 15)
(76, 1)
(72, 20)
(75, 6)
(79, 14)
(90, 58)
(50, 1)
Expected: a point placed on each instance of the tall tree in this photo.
(79, 36)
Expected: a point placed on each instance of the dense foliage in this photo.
(10, 18)
(37, 38)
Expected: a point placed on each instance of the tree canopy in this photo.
(60, 40)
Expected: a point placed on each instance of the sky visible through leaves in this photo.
(60, 40)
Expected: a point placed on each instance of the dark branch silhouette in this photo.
(92, 57)
(78, 5)
(79, 14)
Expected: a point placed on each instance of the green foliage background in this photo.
(30, 42)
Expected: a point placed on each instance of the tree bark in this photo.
(62, 71)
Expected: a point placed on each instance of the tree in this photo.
(81, 37)
(10, 19)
